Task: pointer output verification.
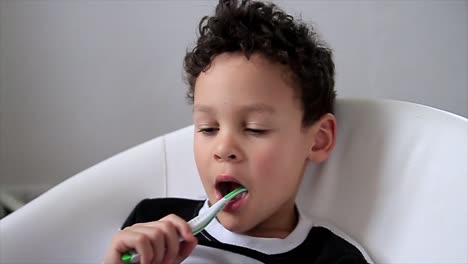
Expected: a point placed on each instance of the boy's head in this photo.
(255, 27)
(262, 88)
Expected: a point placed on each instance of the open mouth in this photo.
(226, 184)
(226, 187)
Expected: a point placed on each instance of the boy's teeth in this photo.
(239, 196)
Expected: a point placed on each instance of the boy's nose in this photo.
(231, 157)
(227, 150)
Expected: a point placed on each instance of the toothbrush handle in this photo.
(199, 223)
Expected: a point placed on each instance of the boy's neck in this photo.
(279, 225)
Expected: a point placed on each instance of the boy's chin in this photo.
(233, 223)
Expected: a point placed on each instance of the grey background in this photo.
(83, 80)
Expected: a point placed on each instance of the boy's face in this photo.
(248, 130)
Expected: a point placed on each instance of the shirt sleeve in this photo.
(132, 218)
(148, 210)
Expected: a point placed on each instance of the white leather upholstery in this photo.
(396, 183)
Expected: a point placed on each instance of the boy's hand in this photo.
(156, 242)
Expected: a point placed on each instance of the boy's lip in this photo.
(237, 203)
(226, 178)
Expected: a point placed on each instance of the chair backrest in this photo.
(396, 183)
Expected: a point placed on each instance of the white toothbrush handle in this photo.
(203, 220)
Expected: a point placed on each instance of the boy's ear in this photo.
(323, 138)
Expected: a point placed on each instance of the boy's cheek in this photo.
(271, 163)
(268, 163)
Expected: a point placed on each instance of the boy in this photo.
(262, 88)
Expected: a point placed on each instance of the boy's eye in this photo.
(208, 130)
(256, 131)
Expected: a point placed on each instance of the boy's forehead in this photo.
(256, 68)
(259, 67)
(247, 108)
(253, 85)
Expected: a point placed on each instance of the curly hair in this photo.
(256, 27)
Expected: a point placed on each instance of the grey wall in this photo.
(83, 80)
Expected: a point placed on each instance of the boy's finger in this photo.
(183, 228)
(186, 248)
(159, 244)
(125, 241)
(143, 245)
(190, 241)
(173, 228)
(157, 233)
(171, 239)
(153, 234)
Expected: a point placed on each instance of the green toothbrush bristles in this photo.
(235, 192)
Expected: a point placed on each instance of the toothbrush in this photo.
(197, 224)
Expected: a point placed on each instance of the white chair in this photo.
(396, 183)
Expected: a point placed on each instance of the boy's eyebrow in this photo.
(247, 109)
(258, 108)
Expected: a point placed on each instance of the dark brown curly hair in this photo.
(257, 27)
